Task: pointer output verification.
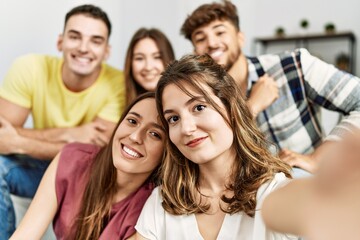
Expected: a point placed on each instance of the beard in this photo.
(233, 57)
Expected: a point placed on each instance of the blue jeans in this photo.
(19, 175)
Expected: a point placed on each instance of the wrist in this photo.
(252, 107)
(19, 144)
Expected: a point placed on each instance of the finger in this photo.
(284, 153)
(100, 126)
(103, 138)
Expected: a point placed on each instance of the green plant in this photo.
(304, 23)
(329, 27)
(279, 31)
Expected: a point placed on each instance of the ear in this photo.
(60, 42)
(241, 39)
(107, 52)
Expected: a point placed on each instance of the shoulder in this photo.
(151, 222)
(153, 206)
(36, 58)
(111, 72)
(265, 189)
(78, 152)
(35, 63)
(155, 197)
(81, 148)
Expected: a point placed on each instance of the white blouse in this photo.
(155, 223)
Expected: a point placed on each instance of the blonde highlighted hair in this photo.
(253, 165)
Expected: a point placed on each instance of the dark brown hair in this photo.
(253, 165)
(166, 52)
(208, 13)
(91, 11)
(100, 190)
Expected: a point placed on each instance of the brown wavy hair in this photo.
(254, 164)
(166, 52)
(101, 188)
(208, 13)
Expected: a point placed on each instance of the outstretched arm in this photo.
(45, 143)
(325, 206)
(42, 209)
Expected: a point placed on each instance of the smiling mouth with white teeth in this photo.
(131, 152)
(216, 54)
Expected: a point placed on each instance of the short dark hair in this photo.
(208, 13)
(91, 11)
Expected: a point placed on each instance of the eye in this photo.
(220, 33)
(199, 107)
(156, 135)
(172, 119)
(97, 41)
(199, 40)
(158, 57)
(74, 37)
(132, 121)
(138, 58)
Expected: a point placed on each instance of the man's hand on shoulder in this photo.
(303, 161)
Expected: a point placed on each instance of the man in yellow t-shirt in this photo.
(76, 98)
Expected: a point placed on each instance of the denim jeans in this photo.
(19, 175)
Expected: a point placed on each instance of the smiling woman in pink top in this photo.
(98, 193)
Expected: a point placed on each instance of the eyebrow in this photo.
(92, 36)
(214, 27)
(191, 100)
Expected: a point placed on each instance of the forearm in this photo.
(42, 209)
(36, 148)
(55, 135)
(286, 209)
(321, 153)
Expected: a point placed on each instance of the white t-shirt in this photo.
(155, 223)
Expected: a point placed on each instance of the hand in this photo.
(264, 92)
(336, 193)
(306, 162)
(8, 137)
(93, 133)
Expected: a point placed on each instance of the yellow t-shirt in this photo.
(34, 82)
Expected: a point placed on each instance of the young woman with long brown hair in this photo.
(218, 169)
(97, 193)
(148, 54)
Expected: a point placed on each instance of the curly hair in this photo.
(254, 164)
(208, 13)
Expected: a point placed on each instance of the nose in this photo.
(136, 136)
(149, 64)
(188, 125)
(213, 42)
(83, 47)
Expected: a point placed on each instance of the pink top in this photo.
(71, 179)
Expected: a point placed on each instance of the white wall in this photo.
(32, 26)
(267, 15)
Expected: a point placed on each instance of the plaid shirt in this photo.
(305, 84)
